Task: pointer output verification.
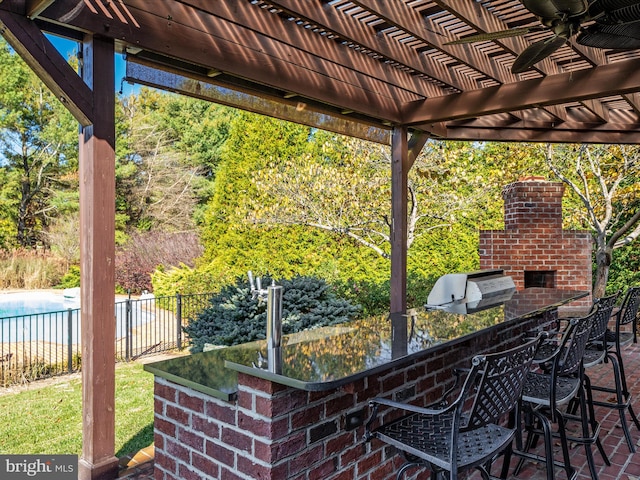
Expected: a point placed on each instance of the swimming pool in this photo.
(28, 303)
(52, 317)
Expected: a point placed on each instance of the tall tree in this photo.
(606, 180)
(234, 243)
(345, 189)
(38, 148)
(166, 158)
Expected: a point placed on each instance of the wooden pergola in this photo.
(380, 70)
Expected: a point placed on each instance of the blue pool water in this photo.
(29, 316)
(28, 303)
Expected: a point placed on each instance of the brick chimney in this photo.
(533, 248)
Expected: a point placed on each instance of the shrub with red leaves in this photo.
(147, 251)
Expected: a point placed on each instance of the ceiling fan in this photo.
(610, 24)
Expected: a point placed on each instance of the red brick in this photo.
(369, 462)
(191, 403)
(354, 453)
(164, 426)
(255, 470)
(257, 426)
(165, 391)
(158, 440)
(226, 474)
(186, 473)
(323, 470)
(220, 453)
(236, 439)
(225, 414)
(294, 444)
(263, 451)
(205, 465)
(254, 383)
(177, 414)
(205, 425)
(339, 443)
(393, 381)
(339, 404)
(307, 458)
(176, 450)
(308, 416)
(165, 462)
(191, 439)
(348, 474)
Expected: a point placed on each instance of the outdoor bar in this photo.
(298, 412)
(381, 71)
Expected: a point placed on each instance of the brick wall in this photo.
(273, 432)
(533, 239)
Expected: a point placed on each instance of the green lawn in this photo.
(48, 420)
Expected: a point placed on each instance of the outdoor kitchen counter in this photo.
(326, 358)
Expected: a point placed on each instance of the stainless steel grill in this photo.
(471, 291)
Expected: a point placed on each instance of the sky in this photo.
(69, 47)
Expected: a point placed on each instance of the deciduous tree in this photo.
(606, 180)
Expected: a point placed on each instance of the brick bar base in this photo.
(273, 432)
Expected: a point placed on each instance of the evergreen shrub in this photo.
(71, 279)
(236, 317)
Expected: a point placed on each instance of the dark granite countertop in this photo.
(328, 357)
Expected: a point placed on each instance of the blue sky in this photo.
(69, 47)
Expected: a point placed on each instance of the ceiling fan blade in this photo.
(484, 37)
(552, 9)
(618, 37)
(624, 14)
(536, 52)
(608, 5)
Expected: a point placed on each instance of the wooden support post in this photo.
(403, 154)
(97, 252)
(399, 174)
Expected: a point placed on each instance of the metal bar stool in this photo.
(468, 432)
(624, 334)
(557, 382)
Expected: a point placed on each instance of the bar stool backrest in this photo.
(499, 386)
(605, 307)
(569, 360)
(629, 308)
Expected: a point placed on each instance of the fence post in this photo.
(128, 326)
(70, 340)
(179, 321)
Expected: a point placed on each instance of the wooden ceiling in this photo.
(360, 67)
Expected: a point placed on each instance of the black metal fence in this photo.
(47, 344)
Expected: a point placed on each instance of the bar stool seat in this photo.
(611, 345)
(559, 383)
(468, 430)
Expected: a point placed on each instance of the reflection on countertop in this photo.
(327, 357)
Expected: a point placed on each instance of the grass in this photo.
(48, 419)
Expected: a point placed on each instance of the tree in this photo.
(606, 180)
(167, 155)
(155, 182)
(345, 188)
(38, 148)
(234, 243)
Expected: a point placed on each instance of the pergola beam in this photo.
(209, 41)
(213, 90)
(42, 57)
(624, 77)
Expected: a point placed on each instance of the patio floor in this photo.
(624, 466)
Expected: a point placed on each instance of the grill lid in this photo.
(486, 287)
